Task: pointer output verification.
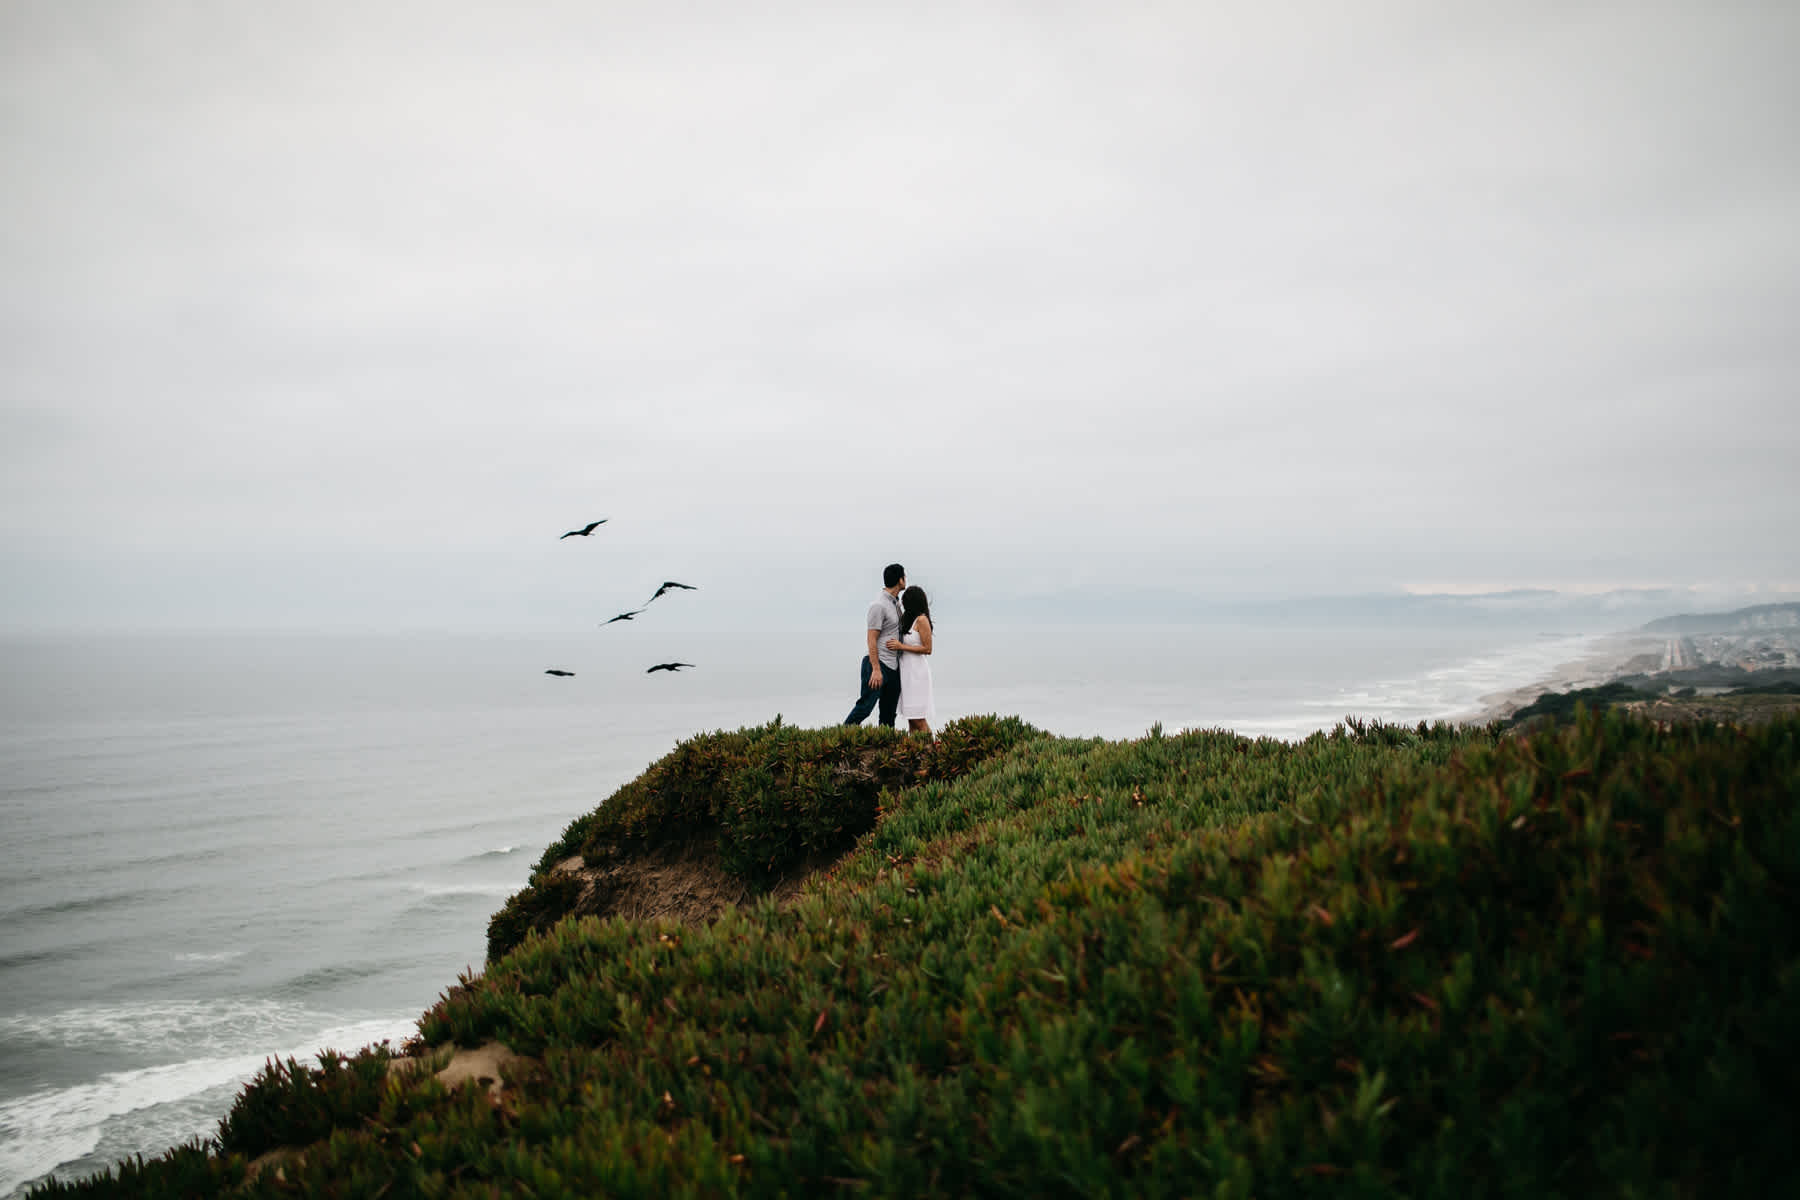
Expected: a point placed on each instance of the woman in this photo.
(913, 646)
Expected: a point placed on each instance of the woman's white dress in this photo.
(915, 682)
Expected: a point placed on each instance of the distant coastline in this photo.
(1696, 652)
(1611, 657)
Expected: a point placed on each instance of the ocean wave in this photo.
(439, 891)
(215, 956)
(1283, 729)
(386, 872)
(1447, 692)
(211, 1025)
(493, 826)
(183, 858)
(322, 978)
(77, 904)
(53, 1126)
(38, 958)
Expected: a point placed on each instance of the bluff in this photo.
(1744, 620)
(1382, 961)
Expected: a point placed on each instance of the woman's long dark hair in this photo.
(913, 605)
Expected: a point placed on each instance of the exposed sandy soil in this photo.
(683, 882)
(481, 1065)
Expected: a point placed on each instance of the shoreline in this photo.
(1611, 656)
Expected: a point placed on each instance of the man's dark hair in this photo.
(894, 574)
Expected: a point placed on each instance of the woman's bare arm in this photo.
(921, 626)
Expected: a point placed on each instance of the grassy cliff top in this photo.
(1383, 962)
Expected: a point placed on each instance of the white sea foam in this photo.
(489, 855)
(1287, 729)
(53, 1126)
(152, 1028)
(216, 956)
(1451, 691)
(1458, 688)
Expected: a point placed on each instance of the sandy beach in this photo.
(1610, 657)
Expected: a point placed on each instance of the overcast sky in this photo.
(337, 314)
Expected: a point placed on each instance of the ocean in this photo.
(224, 848)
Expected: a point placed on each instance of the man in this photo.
(881, 666)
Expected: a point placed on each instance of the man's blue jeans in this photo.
(888, 694)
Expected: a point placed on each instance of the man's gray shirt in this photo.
(884, 616)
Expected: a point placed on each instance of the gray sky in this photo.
(337, 314)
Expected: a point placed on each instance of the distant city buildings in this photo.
(1763, 650)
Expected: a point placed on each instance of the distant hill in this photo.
(1530, 609)
(1743, 620)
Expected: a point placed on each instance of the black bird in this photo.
(625, 616)
(686, 587)
(667, 667)
(554, 671)
(592, 525)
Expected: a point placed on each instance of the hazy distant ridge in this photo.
(1761, 616)
(1532, 609)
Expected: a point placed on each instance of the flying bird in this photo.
(554, 671)
(624, 616)
(592, 525)
(667, 667)
(686, 587)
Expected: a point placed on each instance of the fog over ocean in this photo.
(224, 847)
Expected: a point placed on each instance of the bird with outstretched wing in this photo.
(670, 667)
(667, 585)
(591, 526)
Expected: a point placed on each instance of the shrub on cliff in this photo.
(769, 798)
(287, 1103)
(1560, 708)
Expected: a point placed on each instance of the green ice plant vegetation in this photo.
(287, 1102)
(1383, 961)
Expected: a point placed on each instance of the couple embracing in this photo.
(895, 672)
